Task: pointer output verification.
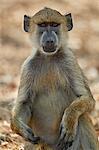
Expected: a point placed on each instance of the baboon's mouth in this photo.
(49, 49)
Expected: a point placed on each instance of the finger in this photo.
(31, 137)
(35, 140)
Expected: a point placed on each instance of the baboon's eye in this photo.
(44, 24)
(54, 24)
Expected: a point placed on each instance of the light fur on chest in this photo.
(51, 80)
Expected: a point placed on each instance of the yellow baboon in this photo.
(54, 99)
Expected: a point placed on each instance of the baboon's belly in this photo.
(47, 115)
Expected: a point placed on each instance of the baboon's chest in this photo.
(50, 103)
(51, 79)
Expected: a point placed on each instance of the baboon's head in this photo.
(48, 30)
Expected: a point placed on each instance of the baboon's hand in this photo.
(66, 139)
(68, 129)
(30, 136)
(24, 130)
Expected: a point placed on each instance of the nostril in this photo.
(50, 42)
(47, 41)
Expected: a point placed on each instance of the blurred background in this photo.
(15, 47)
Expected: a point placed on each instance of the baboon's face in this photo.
(48, 29)
(49, 36)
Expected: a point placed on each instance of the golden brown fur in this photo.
(48, 15)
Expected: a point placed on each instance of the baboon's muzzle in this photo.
(49, 42)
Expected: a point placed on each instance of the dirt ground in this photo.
(15, 47)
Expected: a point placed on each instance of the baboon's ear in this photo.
(69, 21)
(26, 23)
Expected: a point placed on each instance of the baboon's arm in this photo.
(83, 103)
(78, 82)
(22, 111)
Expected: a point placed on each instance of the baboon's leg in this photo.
(85, 139)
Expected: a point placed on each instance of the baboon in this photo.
(54, 100)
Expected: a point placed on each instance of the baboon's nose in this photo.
(49, 42)
(49, 45)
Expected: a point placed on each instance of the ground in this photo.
(15, 47)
